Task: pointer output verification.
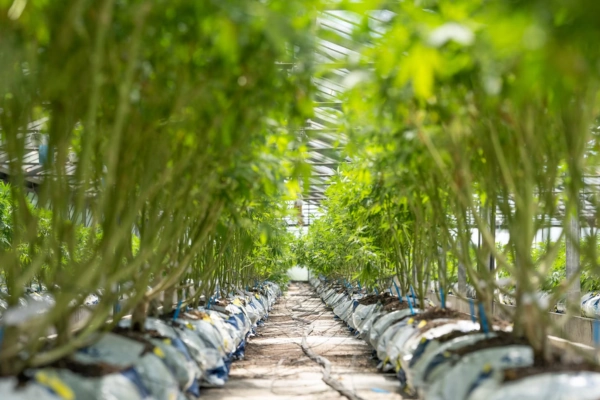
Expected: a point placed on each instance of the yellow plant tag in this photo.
(237, 302)
(55, 384)
(422, 324)
(487, 368)
(410, 321)
(190, 326)
(167, 341)
(158, 352)
(257, 296)
(423, 340)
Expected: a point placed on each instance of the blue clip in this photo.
(376, 291)
(442, 298)
(398, 292)
(597, 332)
(484, 323)
(176, 314)
(472, 307)
(413, 295)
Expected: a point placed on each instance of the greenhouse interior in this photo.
(299, 199)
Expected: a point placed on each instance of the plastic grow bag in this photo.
(33, 390)
(361, 314)
(157, 378)
(548, 386)
(365, 329)
(344, 310)
(209, 334)
(123, 352)
(179, 361)
(206, 358)
(253, 313)
(414, 346)
(435, 354)
(110, 387)
(385, 337)
(459, 378)
(30, 307)
(224, 329)
(590, 305)
(384, 322)
(111, 349)
(342, 307)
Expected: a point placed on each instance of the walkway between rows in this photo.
(276, 367)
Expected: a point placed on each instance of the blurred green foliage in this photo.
(171, 127)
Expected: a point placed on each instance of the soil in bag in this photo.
(141, 337)
(501, 339)
(392, 304)
(454, 334)
(195, 315)
(440, 313)
(554, 365)
(95, 370)
(374, 299)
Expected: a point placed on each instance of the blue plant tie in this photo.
(410, 305)
(442, 297)
(398, 292)
(209, 301)
(413, 295)
(376, 292)
(472, 307)
(484, 323)
(359, 287)
(597, 332)
(176, 315)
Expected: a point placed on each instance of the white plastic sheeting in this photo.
(458, 379)
(426, 353)
(547, 386)
(170, 360)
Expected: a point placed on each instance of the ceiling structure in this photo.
(323, 134)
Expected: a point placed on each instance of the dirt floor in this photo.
(275, 367)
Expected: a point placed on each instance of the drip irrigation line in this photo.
(326, 369)
(307, 295)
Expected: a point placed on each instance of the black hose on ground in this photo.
(326, 366)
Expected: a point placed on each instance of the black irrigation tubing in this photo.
(310, 321)
(307, 322)
(325, 364)
(326, 369)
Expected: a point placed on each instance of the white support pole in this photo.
(573, 263)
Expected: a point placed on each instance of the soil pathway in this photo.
(275, 367)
